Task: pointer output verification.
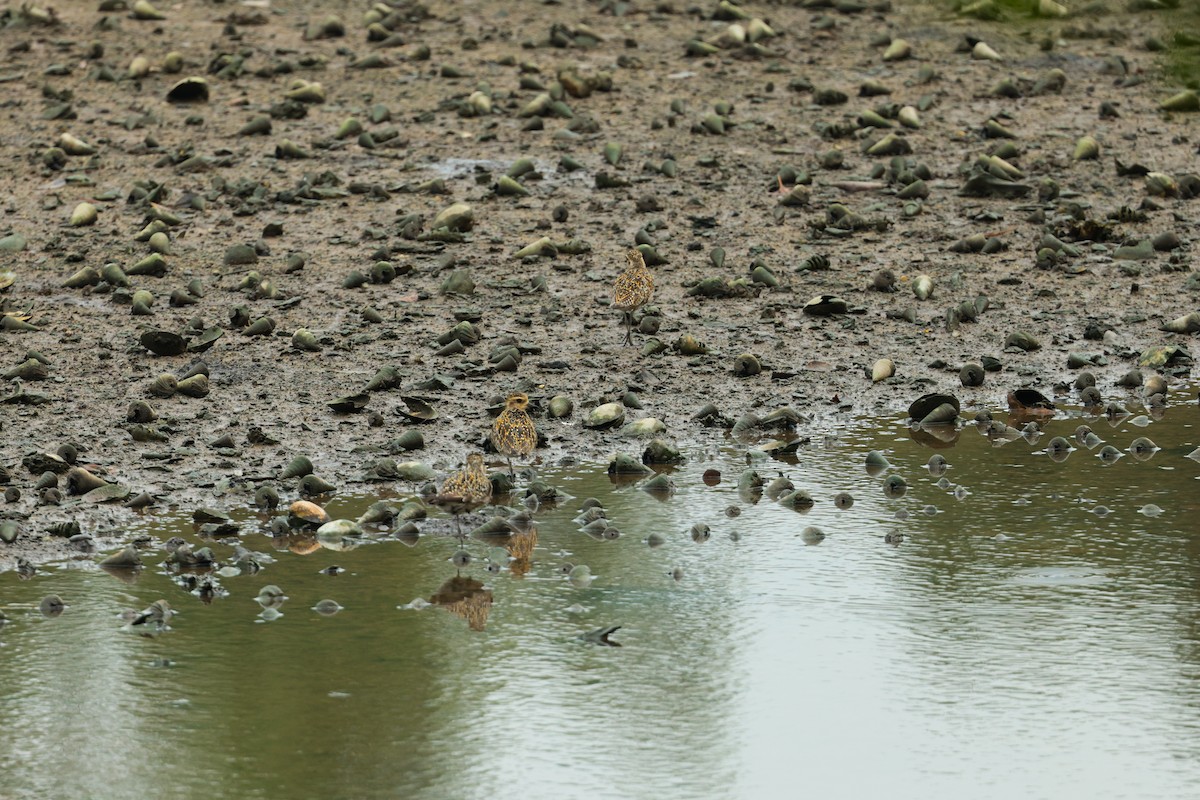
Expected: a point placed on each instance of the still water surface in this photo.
(1016, 643)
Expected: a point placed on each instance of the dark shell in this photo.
(924, 405)
(163, 343)
(825, 305)
(1029, 400)
(350, 403)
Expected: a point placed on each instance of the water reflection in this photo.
(982, 618)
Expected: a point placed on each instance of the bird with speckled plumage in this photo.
(632, 289)
(513, 432)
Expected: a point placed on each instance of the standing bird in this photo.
(465, 490)
(632, 289)
(513, 433)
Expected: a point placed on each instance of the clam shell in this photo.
(641, 428)
(560, 406)
(206, 339)
(189, 90)
(163, 343)
(604, 416)
(416, 408)
(350, 403)
(825, 305)
(307, 513)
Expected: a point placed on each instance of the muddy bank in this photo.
(668, 132)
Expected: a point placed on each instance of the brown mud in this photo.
(358, 200)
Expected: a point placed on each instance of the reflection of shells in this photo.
(1142, 448)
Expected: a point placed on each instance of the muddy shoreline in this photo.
(355, 201)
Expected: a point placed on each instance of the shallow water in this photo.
(1016, 643)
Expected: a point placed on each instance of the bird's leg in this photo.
(511, 473)
(629, 327)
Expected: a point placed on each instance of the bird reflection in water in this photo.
(465, 597)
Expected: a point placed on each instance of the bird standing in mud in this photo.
(632, 289)
(513, 433)
(465, 490)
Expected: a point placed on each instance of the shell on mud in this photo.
(414, 472)
(28, 370)
(604, 416)
(882, 369)
(416, 408)
(194, 386)
(929, 405)
(1189, 323)
(83, 215)
(350, 403)
(560, 406)
(106, 494)
(164, 385)
(260, 327)
(163, 343)
(971, 375)
(298, 467)
(1021, 341)
(189, 90)
(642, 428)
(266, 497)
(922, 287)
(312, 485)
(825, 305)
(206, 339)
(409, 440)
(689, 345)
(746, 364)
(457, 217)
(385, 378)
(80, 481)
(307, 513)
(746, 422)
(304, 339)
